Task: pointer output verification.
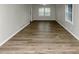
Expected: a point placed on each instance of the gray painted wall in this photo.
(36, 15)
(60, 16)
(12, 19)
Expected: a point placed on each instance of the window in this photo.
(44, 11)
(69, 13)
(41, 11)
(47, 11)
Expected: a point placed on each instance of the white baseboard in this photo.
(22, 27)
(68, 30)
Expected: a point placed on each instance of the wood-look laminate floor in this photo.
(42, 37)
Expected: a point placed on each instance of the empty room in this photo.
(39, 28)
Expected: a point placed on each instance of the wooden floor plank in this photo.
(41, 37)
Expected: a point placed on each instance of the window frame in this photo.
(41, 12)
(47, 12)
(44, 13)
(66, 17)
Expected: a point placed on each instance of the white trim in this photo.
(22, 27)
(68, 30)
(31, 13)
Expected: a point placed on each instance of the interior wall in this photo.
(36, 15)
(60, 16)
(12, 19)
